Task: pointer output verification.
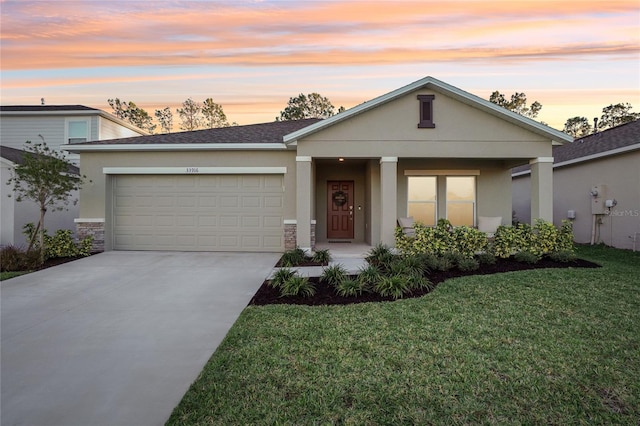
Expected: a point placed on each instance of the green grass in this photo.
(535, 347)
(7, 275)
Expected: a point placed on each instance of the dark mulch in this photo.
(326, 295)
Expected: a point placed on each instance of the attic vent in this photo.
(426, 111)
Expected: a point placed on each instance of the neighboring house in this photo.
(57, 125)
(60, 125)
(428, 150)
(586, 173)
(16, 214)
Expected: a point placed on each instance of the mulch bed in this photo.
(326, 295)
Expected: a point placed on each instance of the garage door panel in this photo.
(199, 213)
(272, 222)
(227, 201)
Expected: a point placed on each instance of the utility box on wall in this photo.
(598, 197)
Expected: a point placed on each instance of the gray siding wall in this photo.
(15, 131)
(110, 130)
(572, 184)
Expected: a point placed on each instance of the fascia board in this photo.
(175, 147)
(586, 158)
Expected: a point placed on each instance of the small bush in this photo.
(31, 260)
(334, 275)
(61, 245)
(298, 286)
(369, 275)
(527, 257)
(381, 257)
(416, 282)
(468, 264)
(292, 258)
(280, 277)
(413, 264)
(444, 264)
(487, 259)
(11, 259)
(322, 256)
(350, 288)
(430, 262)
(563, 256)
(395, 286)
(565, 237)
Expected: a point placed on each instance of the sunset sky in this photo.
(574, 57)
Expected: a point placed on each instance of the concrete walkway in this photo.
(117, 338)
(349, 256)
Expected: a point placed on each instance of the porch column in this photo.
(303, 202)
(388, 199)
(542, 189)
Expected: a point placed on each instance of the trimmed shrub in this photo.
(468, 264)
(298, 286)
(350, 288)
(63, 245)
(368, 276)
(334, 274)
(292, 257)
(563, 256)
(381, 257)
(468, 241)
(31, 260)
(280, 277)
(445, 263)
(416, 282)
(322, 256)
(486, 258)
(544, 238)
(395, 286)
(527, 257)
(11, 259)
(565, 237)
(441, 239)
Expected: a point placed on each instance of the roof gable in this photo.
(438, 86)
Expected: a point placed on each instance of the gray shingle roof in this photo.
(252, 133)
(45, 108)
(608, 140)
(16, 157)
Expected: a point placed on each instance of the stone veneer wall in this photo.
(94, 229)
(290, 236)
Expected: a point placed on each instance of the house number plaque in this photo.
(192, 170)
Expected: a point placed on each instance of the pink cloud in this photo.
(75, 34)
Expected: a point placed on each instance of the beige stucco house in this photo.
(586, 173)
(427, 150)
(58, 126)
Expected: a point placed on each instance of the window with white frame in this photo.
(461, 200)
(422, 199)
(77, 130)
(457, 192)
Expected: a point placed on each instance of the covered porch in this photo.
(355, 201)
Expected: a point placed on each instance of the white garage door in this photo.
(198, 212)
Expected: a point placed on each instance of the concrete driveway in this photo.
(117, 338)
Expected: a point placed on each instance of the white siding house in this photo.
(57, 125)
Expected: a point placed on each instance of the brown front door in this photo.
(340, 209)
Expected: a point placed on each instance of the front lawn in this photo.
(534, 347)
